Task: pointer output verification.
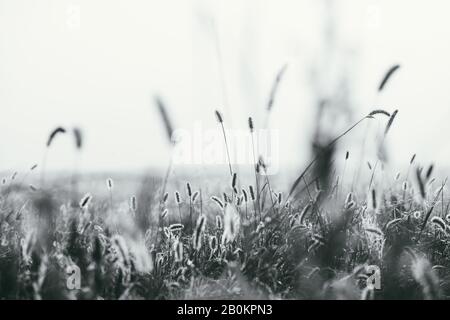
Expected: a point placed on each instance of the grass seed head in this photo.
(379, 111)
(84, 202)
(194, 196)
(387, 76)
(133, 203)
(78, 138)
(219, 116)
(177, 197)
(189, 189)
(429, 172)
(165, 118)
(200, 227)
(374, 199)
(219, 223)
(231, 224)
(252, 193)
(178, 251)
(439, 222)
(213, 243)
(53, 134)
(218, 201)
(234, 181)
(250, 124)
(176, 227)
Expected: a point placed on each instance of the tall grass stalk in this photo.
(220, 120)
(300, 177)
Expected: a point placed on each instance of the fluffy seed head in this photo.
(176, 227)
(219, 223)
(194, 196)
(109, 183)
(218, 201)
(165, 118)
(379, 111)
(250, 124)
(85, 201)
(405, 185)
(213, 243)
(429, 171)
(387, 76)
(178, 251)
(219, 116)
(231, 224)
(374, 199)
(133, 203)
(177, 197)
(391, 120)
(417, 214)
(439, 222)
(252, 193)
(234, 180)
(197, 238)
(53, 134)
(78, 138)
(189, 189)
(245, 195)
(349, 197)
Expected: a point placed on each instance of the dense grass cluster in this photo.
(244, 242)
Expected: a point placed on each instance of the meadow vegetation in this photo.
(318, 238)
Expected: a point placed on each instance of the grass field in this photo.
(384, 237)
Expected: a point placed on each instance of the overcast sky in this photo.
(96, 64)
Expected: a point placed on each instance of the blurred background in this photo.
(98, 64)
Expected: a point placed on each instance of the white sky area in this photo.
(96, 64)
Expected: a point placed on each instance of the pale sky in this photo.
(96, 64)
